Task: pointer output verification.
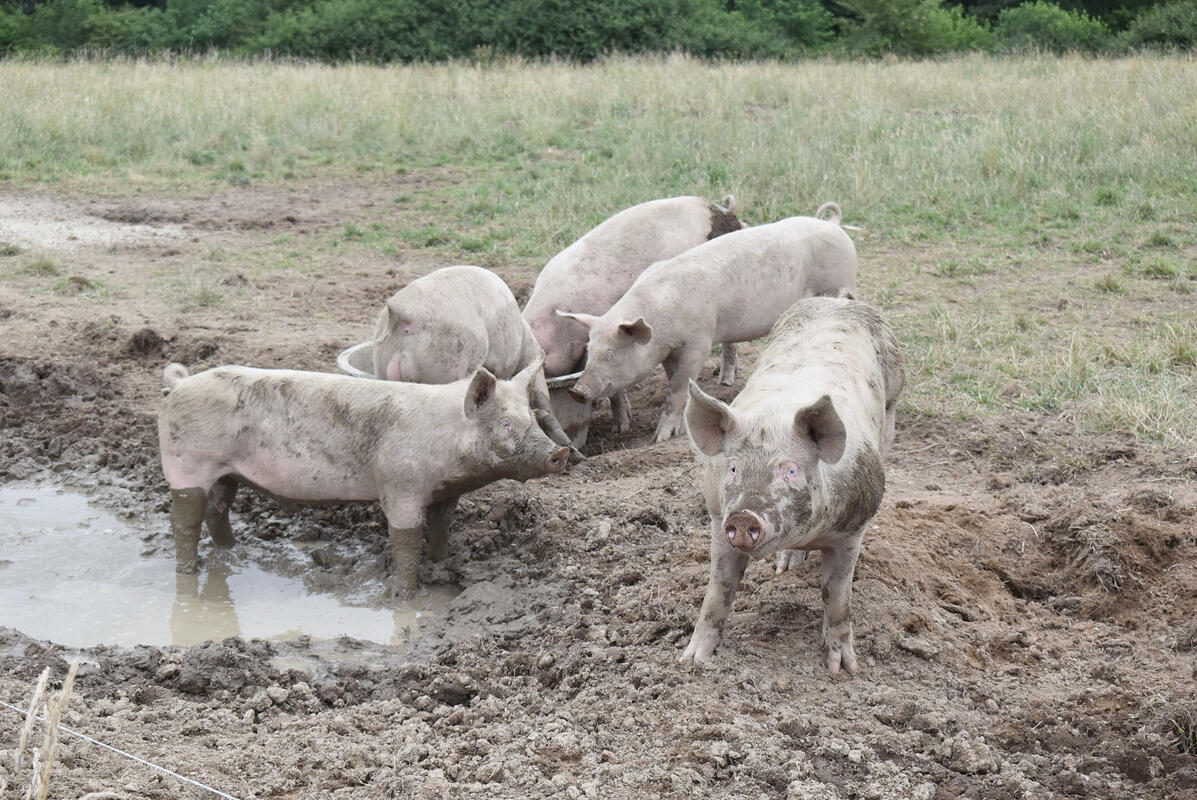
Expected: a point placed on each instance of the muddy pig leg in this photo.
(406, 544)
(220, 499)
(405, 524)
(839, 563)
(621, 412)
(728, 362)
(187, 507)
(436, 522)
(680, 366)
(727, 568)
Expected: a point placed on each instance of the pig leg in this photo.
(889, 432)
(216, 516)
(790, 558)
(621, 411)
(727, 568)
(680, 366)
(728, 363)
(839, 562)
(187, 508)
(436, 523)
(405, 525)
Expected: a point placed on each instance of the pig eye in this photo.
(791, 472)
(731, 469)
(506, 423)
(610, 355)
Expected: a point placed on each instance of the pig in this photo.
(312, 437)
(443, 326)
(730, 289)
(595, 271)
(795, 463)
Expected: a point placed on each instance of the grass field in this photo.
(1030, 223)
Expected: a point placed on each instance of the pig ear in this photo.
(708, 420)
(481, 391)
(586, 319)
(394, 315)
(820, 423)
(526, 375)
(639, 330)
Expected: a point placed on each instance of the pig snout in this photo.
(579, 393)
(557, 460)
(744, 530)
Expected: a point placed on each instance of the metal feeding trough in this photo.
(358, 361)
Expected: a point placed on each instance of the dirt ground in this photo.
(1025, 603)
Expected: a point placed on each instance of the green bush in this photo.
(129, 30)
(1165, 26)
(584, 29)
(1045, 26)
(805, 24)
(580, 30)
(909, 27)
(373, 30)
(64, 25)
(14, 30)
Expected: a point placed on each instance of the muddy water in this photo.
(77, 575)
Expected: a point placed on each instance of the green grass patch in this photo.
(41, 267)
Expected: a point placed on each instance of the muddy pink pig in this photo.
(441, 327)
(795, 462)
(313, 437)
(730, 289)
(595, 271)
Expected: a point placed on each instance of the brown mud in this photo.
(1025, 602)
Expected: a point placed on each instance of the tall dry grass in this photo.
(41, 759)
(967, 141)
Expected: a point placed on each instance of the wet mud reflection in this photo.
(74, 574)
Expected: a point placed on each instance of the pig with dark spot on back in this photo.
(593, 272)
(441, 327)
(795, 462)
(312, 437)
(730, 289)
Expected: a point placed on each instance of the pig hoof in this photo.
(665, 432)
(701, 650)
(789, 558)
(707, 662)
(841, 656)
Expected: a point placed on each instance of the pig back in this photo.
(593, 272)
(304, 435)
(834, 346)
(441, 327)
(745, 280)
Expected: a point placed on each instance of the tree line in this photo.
(582, 30)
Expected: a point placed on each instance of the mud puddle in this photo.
(75, 574)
